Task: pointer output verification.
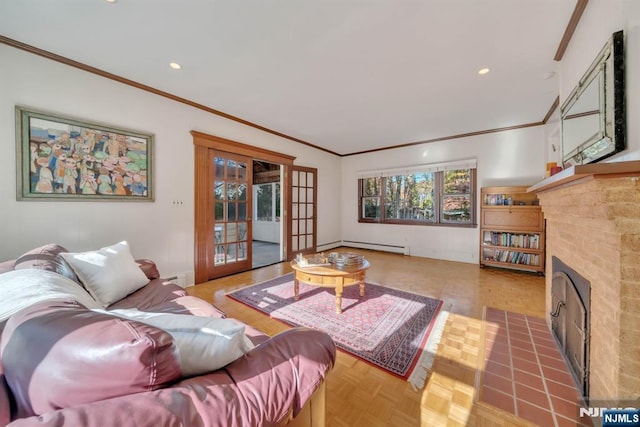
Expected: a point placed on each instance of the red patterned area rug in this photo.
(388, 328)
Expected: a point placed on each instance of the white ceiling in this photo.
(344, 75)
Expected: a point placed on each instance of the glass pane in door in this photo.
(303, 210)
(231, 204)
(219, 232)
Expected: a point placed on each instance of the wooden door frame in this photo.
(203, 143)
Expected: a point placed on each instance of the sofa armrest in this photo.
(265, 387)
(7, 265)
(149, 268)
(154, 293)
(81, 356)
(279, 376)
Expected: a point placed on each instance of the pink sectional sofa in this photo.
(63, 364)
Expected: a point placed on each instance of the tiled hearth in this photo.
(524, 373)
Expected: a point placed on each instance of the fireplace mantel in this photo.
(578, 172)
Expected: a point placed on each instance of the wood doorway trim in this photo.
(202, 187)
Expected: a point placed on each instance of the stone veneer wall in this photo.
(593, 225)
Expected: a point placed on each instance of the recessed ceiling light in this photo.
(483, 71)
(175, 66)
(111, 1)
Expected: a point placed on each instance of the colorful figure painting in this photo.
(66, 158)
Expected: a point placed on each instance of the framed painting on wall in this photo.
(61, 158)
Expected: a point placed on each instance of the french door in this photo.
(223, 213)
(230, 176)
(302, 211)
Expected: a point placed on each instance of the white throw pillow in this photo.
(204, 344)
(109, 274)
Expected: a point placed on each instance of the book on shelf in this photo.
(495, 199)
(513, 240)
(501, 200)
(512, 257)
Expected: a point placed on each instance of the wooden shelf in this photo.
(519, 219)
(587, 171)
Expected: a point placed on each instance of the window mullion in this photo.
(439, 190)
(382, 198)
(361, 198)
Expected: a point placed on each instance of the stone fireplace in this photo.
(592, 215)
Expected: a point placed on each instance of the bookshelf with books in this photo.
(511, 229)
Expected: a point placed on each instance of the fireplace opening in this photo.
(570, 299)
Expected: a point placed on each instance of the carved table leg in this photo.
(296, 289)
(362, 286)
(339, 290)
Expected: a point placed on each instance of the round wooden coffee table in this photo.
(330, 276)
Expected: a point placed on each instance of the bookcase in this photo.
(511, 229)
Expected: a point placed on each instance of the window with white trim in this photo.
(436, 194)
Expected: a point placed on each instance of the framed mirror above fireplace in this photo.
(593, 116)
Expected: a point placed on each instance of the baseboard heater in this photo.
(375, 246)
(329, 245)
(179, 279)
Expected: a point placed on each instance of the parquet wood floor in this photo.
(361, 395)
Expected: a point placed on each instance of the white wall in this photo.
(266, 231)
(515, 157)
(600, 20)
(161, 230)
(553, 140)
